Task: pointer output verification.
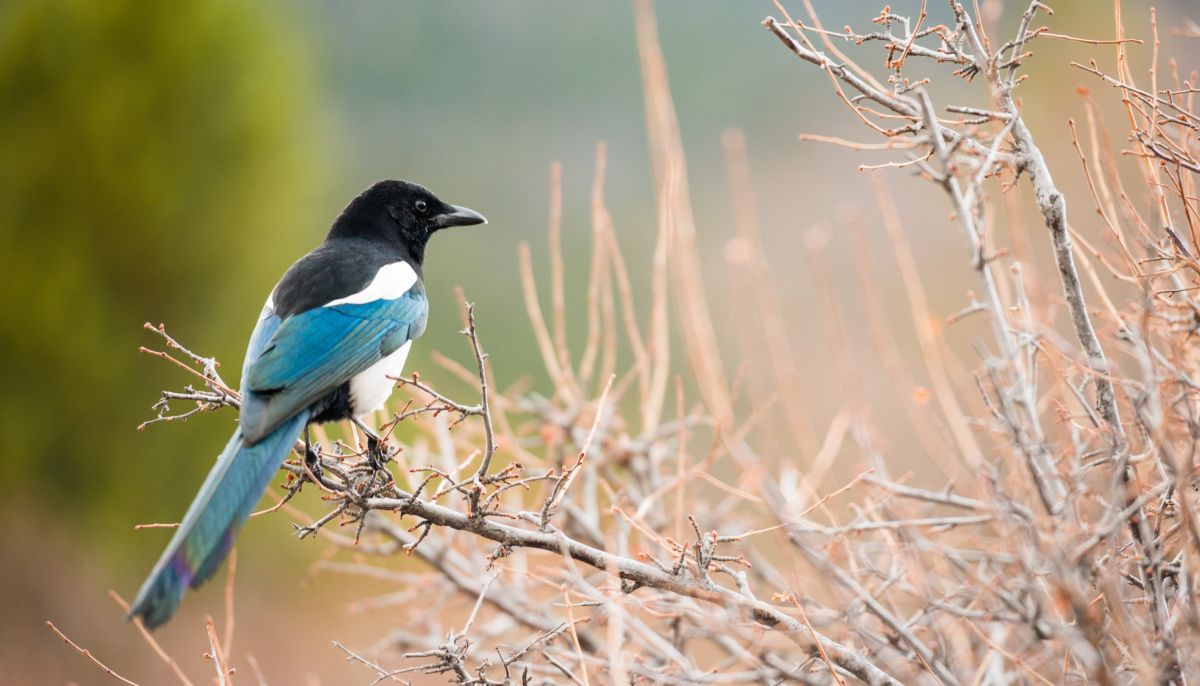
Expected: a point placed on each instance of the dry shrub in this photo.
(626, 533)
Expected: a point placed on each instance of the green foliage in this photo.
(155, 156)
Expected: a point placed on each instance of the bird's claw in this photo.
(312, 460)
(376, 457)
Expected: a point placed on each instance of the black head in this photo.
(401, 214)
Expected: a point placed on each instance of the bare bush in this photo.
(612, 529)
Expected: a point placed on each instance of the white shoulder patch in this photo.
(390, 282)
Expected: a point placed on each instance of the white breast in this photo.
(370, 388)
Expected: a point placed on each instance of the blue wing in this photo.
(268, 323)
(314, 352)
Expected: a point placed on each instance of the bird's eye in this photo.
(421, 206)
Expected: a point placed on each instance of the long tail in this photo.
(202, 541)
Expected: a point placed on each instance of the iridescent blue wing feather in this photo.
(316, 351)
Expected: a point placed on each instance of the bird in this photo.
(328, 346)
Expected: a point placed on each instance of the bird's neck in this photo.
(380, 233)
(415, 254)
(378, 251)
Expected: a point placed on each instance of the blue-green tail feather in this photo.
(226, 499)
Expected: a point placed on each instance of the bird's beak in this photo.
(458, 216)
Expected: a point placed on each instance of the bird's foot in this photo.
(376, 453)
(312, 460)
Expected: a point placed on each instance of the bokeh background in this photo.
(165, 162)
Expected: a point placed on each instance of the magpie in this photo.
(330, 341)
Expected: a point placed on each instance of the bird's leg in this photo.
(375, 457)
(312, 458)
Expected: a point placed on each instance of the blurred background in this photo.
(165, 162)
